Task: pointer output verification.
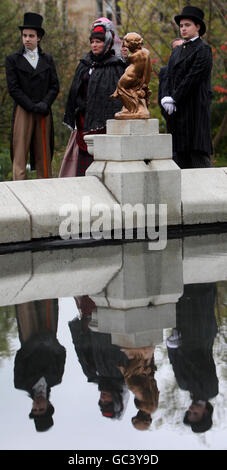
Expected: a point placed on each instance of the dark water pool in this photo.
(145, 331)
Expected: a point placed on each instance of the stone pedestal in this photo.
(135, 163)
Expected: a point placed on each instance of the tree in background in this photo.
(8, 331)
(9, 40)
(61, 41)
(154, 20)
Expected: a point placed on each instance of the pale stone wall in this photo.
(82, 13)
(79, 13)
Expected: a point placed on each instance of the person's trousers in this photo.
(28, 127)
(192, 159)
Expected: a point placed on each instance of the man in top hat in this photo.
(187, 96)
(33, 84)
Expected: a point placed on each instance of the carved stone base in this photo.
(142, 113)
(126, 115)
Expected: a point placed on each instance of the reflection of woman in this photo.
(99, 360)
(139, 377)
(89, 104)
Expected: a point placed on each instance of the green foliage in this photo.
(154, 21)
(9, 40)
(8, 330)
(5, 165)
(60, 40)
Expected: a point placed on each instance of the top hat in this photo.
(33, 21)
(195, 14)
(204, 424)
(45, 421)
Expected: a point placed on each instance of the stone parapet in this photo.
(15, 223)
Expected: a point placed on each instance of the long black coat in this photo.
(192, 361)
(189, 84)
(28, 86)
(163, 84)
(41, 355)
(96, 103)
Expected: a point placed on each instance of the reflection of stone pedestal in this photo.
(135, 163)
(142, 326)
(139, 302)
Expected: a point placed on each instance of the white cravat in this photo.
(32, 56)
(192, 39)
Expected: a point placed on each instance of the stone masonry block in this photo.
(135, 320)
(132, 147)
(138, 340)
(165, 188)
(96, 169)
(132, 127)
(70, 272)
(160, 279)
(50, 201)
(204, 195)
(138, 183)
(15, 273)
(15, 223)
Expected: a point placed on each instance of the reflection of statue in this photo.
(139, 377)
(133, 85)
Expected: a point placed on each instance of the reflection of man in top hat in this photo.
(190, 350)
(39, 363)
(188, 93)
(33, 85)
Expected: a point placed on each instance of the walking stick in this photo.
(44, 147)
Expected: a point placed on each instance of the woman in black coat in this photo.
(89, 104)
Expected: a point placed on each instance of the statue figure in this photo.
(133, 85)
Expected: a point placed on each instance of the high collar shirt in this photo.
(192, 39)
(32, 56)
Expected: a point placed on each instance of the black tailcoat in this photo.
(192, 361)
(189, 84)
(28, 86)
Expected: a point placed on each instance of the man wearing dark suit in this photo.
(163, 82)
(33, 84)
(187, 96)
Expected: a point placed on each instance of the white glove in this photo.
(168, 104)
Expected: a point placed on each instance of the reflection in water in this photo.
(100, 361)
(128, 298)
(39, 363)
(190, 352)
(139, 377)
(114, 369)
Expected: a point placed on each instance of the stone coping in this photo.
(30, 209)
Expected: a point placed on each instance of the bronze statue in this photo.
(133, 86)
